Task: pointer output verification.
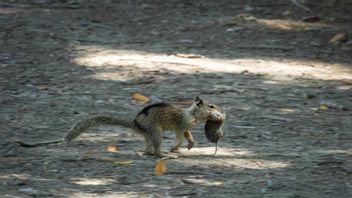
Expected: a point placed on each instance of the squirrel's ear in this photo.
(198, 101)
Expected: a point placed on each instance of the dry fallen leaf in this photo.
(323, 107)
(140, 97)
(128, 162)
(111, 148)
(160, 167)
(311, 19)
(43, 87)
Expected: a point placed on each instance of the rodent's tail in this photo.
(79, 128)
(216, 148)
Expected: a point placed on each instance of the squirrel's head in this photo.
(205, 111)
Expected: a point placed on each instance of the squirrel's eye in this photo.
(211, 106)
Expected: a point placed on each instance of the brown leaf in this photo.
(160, 167)
(311, 19)
(111, 148)
(24, 109)
(323, 107)
(140, 97)
(43, 87)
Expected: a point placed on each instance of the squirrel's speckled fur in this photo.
(151, 122)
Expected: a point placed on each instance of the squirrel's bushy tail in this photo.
(79, 128)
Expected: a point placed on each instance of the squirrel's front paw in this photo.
(190, 145)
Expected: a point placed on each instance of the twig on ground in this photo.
(277, 118)
(244, 127)
(305, 8)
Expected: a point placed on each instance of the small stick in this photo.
(301, 6)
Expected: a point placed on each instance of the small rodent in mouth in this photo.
(213, 131)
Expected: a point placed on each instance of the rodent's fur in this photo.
(213, 130)
(151, 122)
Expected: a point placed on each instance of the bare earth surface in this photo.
(286, 85)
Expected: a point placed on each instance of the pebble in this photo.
(28, 191)
(248, 8)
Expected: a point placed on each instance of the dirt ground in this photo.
(282, 72)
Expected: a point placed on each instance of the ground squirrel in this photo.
(151, 122)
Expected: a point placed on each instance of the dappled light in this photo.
(290, 25)
(335, 151)
(255, 163)
(226, 152)
(279, 24)
(20, 176)
(105, 195)
(286, 110)
(235, 158)
(92, 181)
(10, 10)
(271, 80)
(107, 65)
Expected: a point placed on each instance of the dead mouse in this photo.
(213, 130)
